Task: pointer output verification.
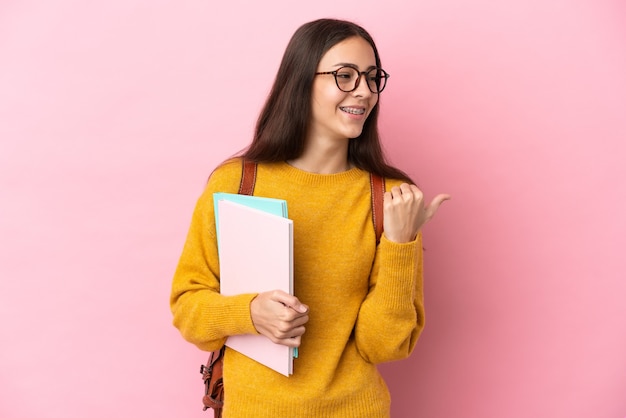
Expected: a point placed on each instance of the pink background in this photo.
(112, 115)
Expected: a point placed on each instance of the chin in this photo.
(354, 135)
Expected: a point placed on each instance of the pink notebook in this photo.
(256, 255)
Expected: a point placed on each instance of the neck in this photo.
(323, 160)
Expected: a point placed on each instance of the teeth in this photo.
(353, 110)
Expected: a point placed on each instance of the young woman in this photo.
(357, 303)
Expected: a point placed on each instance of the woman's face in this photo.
(337, 115)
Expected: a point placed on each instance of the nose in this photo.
(362, 89)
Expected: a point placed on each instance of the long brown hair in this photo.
(282, 125)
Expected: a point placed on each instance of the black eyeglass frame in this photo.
(385, 75)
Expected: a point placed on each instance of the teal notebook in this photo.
(276, 207)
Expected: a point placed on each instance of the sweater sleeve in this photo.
(203, 316)
(391, 317)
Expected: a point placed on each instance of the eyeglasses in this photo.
(348, 78)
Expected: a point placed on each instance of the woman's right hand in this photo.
(280, 317)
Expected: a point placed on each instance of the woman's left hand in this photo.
(404, 212)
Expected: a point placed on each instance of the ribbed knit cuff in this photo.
(396, 279)
(233, 316)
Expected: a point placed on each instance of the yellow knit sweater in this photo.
(366, 302)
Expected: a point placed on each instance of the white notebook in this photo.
(256, 255)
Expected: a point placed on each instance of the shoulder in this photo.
(226, 177)
(390, 182)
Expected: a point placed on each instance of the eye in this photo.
(374, 75)
(345, 75)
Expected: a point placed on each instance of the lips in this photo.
(353, 110)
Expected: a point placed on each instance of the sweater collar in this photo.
(314, 179)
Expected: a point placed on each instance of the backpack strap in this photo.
(248, 177)
(213, 382)
(377, 185)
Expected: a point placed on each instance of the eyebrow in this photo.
(349, 64)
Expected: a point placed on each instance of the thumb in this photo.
(435, 204)
(300, 307)
(290, 301)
